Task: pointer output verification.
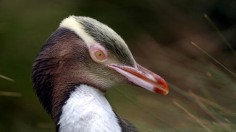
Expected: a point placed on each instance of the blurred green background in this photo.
(189, 43)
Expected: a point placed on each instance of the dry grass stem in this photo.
(144, 109)
(6, 78)
(11, 94)
(209, 102)
(209, 113)
(219, 33)
(203, 51)
(192, 116)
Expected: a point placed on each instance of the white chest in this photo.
(87, 110)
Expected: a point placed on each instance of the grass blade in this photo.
(219, 33)
(192, 116)
(203, 51)
(6, 78)
(10, 94)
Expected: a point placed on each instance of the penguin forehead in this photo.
(92, 31)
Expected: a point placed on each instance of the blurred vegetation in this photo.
(189, 43)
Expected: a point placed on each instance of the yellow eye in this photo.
(100, 55)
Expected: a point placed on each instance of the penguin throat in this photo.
(87, 110)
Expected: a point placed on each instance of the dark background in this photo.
(161, 35)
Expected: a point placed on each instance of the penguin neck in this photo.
(88, 110)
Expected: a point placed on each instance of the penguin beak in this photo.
(143, 77)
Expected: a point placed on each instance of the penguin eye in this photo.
(98, 53)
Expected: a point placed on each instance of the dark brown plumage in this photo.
(67, 61)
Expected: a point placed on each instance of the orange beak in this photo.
(142, 77)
